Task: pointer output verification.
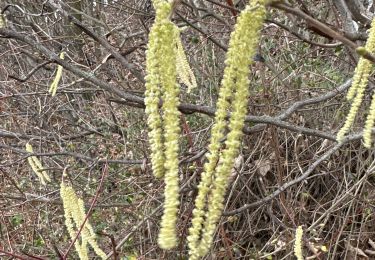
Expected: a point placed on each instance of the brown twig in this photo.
(230, 7)
(75, 155)
(113, 243)
(322, 28)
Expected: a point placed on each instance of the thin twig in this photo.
(75, 155)
(323, 28)
(18, 256)
(287, 185)
(31, 72)
(140, 223)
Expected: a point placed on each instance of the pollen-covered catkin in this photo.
(37, 166)
(234, 88)
(184, 72)
(367, 133)
(161, 84)
(168, 236)
(357, 90)
(53, 88)
(298, 243)
(74, 212)
(154, 91)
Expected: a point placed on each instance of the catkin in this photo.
(298, 243)
(37, 166)
(233, 96)
(74, 212)
(53, 88)
(161, 84)
(357, 91)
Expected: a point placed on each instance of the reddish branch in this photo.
(230, 3)
(18, 256)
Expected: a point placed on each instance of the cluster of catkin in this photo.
(357, 91)
(233, 98)
(162, 94)
(74, 211)
(165, 63)
(37, 166)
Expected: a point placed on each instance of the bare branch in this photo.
(100, 40)
(323, 28)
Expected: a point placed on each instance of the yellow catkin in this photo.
(367, 136)
(184, 72)
(2, 21)
(154, 120)
(167, 236)
(298, 243)
(234, 86)
(161, 82)
(357, 101)
(154, 86)
(37, 166)
(367, 133)
(361, 72)
(74, 212)
(53, 88)
(357, 90)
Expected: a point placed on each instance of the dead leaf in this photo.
(236, 167)
(263, 166)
